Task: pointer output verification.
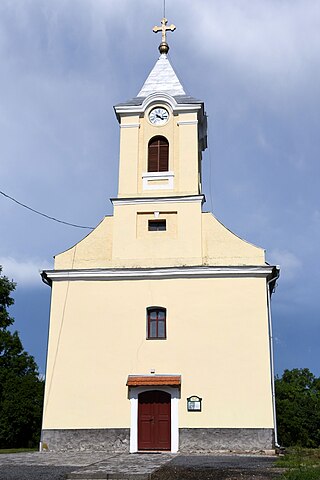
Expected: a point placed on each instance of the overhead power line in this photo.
(43, 214)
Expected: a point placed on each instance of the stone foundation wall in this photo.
(191, 440)
(107, 440)
(208, 440)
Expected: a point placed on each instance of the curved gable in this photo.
(220, 246)
(94, 250)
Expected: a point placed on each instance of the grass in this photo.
(17, 450)
(301, 464)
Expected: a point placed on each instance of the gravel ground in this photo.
(222, 467)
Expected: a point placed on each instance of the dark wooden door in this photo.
(154, 420)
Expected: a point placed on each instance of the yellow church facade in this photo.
(160, 324)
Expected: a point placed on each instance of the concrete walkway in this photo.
(120, 466)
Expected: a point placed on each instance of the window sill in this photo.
(157, 180)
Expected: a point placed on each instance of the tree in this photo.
(21, 390)
(298, 408)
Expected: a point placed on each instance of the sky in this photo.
(256, 65)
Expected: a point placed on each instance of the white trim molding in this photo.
(130, 125)
(145, 200)
(187, 122)
(113, 274)
(149, 177)
(133, 397)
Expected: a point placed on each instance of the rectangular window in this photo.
(157, 225)
(156, 323)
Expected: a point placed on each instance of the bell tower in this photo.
(163, 134)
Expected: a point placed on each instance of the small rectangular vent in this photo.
(157, 225)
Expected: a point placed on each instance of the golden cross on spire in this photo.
(164, 47)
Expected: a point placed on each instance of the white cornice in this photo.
(158, 97)
(97, 274)
(140, 109)
(146, 200)
(161, 97)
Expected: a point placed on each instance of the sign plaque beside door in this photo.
(194, 403)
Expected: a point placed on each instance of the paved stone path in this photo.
(124, 466)
(51, 458)
(44, 466)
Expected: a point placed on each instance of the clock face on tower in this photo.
(158, 116)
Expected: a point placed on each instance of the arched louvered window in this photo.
(156, 322)
(158, 154)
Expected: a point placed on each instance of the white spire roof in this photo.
(162, 78)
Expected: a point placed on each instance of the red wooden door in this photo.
(154, 420)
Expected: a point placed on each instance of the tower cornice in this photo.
(157, 199)
(138, 105)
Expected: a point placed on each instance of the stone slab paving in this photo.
(123, 466)
(80, 465)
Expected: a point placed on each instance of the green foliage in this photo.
(5, 451)
(298, 457)
(6, 287)
(21, 390)
(304, 473)
(302, 464)
(298, 408)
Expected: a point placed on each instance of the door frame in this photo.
(133, 397)
(154, 421)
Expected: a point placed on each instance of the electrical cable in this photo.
(49, 385)
(43, 214)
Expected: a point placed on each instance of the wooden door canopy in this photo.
(154, 380)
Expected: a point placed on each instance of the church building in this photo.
(160, 323)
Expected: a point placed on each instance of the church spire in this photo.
(164, 47)
(162, 78)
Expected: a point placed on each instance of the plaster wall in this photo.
(217, 339)
(134, 245)
(93, 250)
(129, 152)
(188, 153)
(220, 246)
(192, 238)
(183, 153)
